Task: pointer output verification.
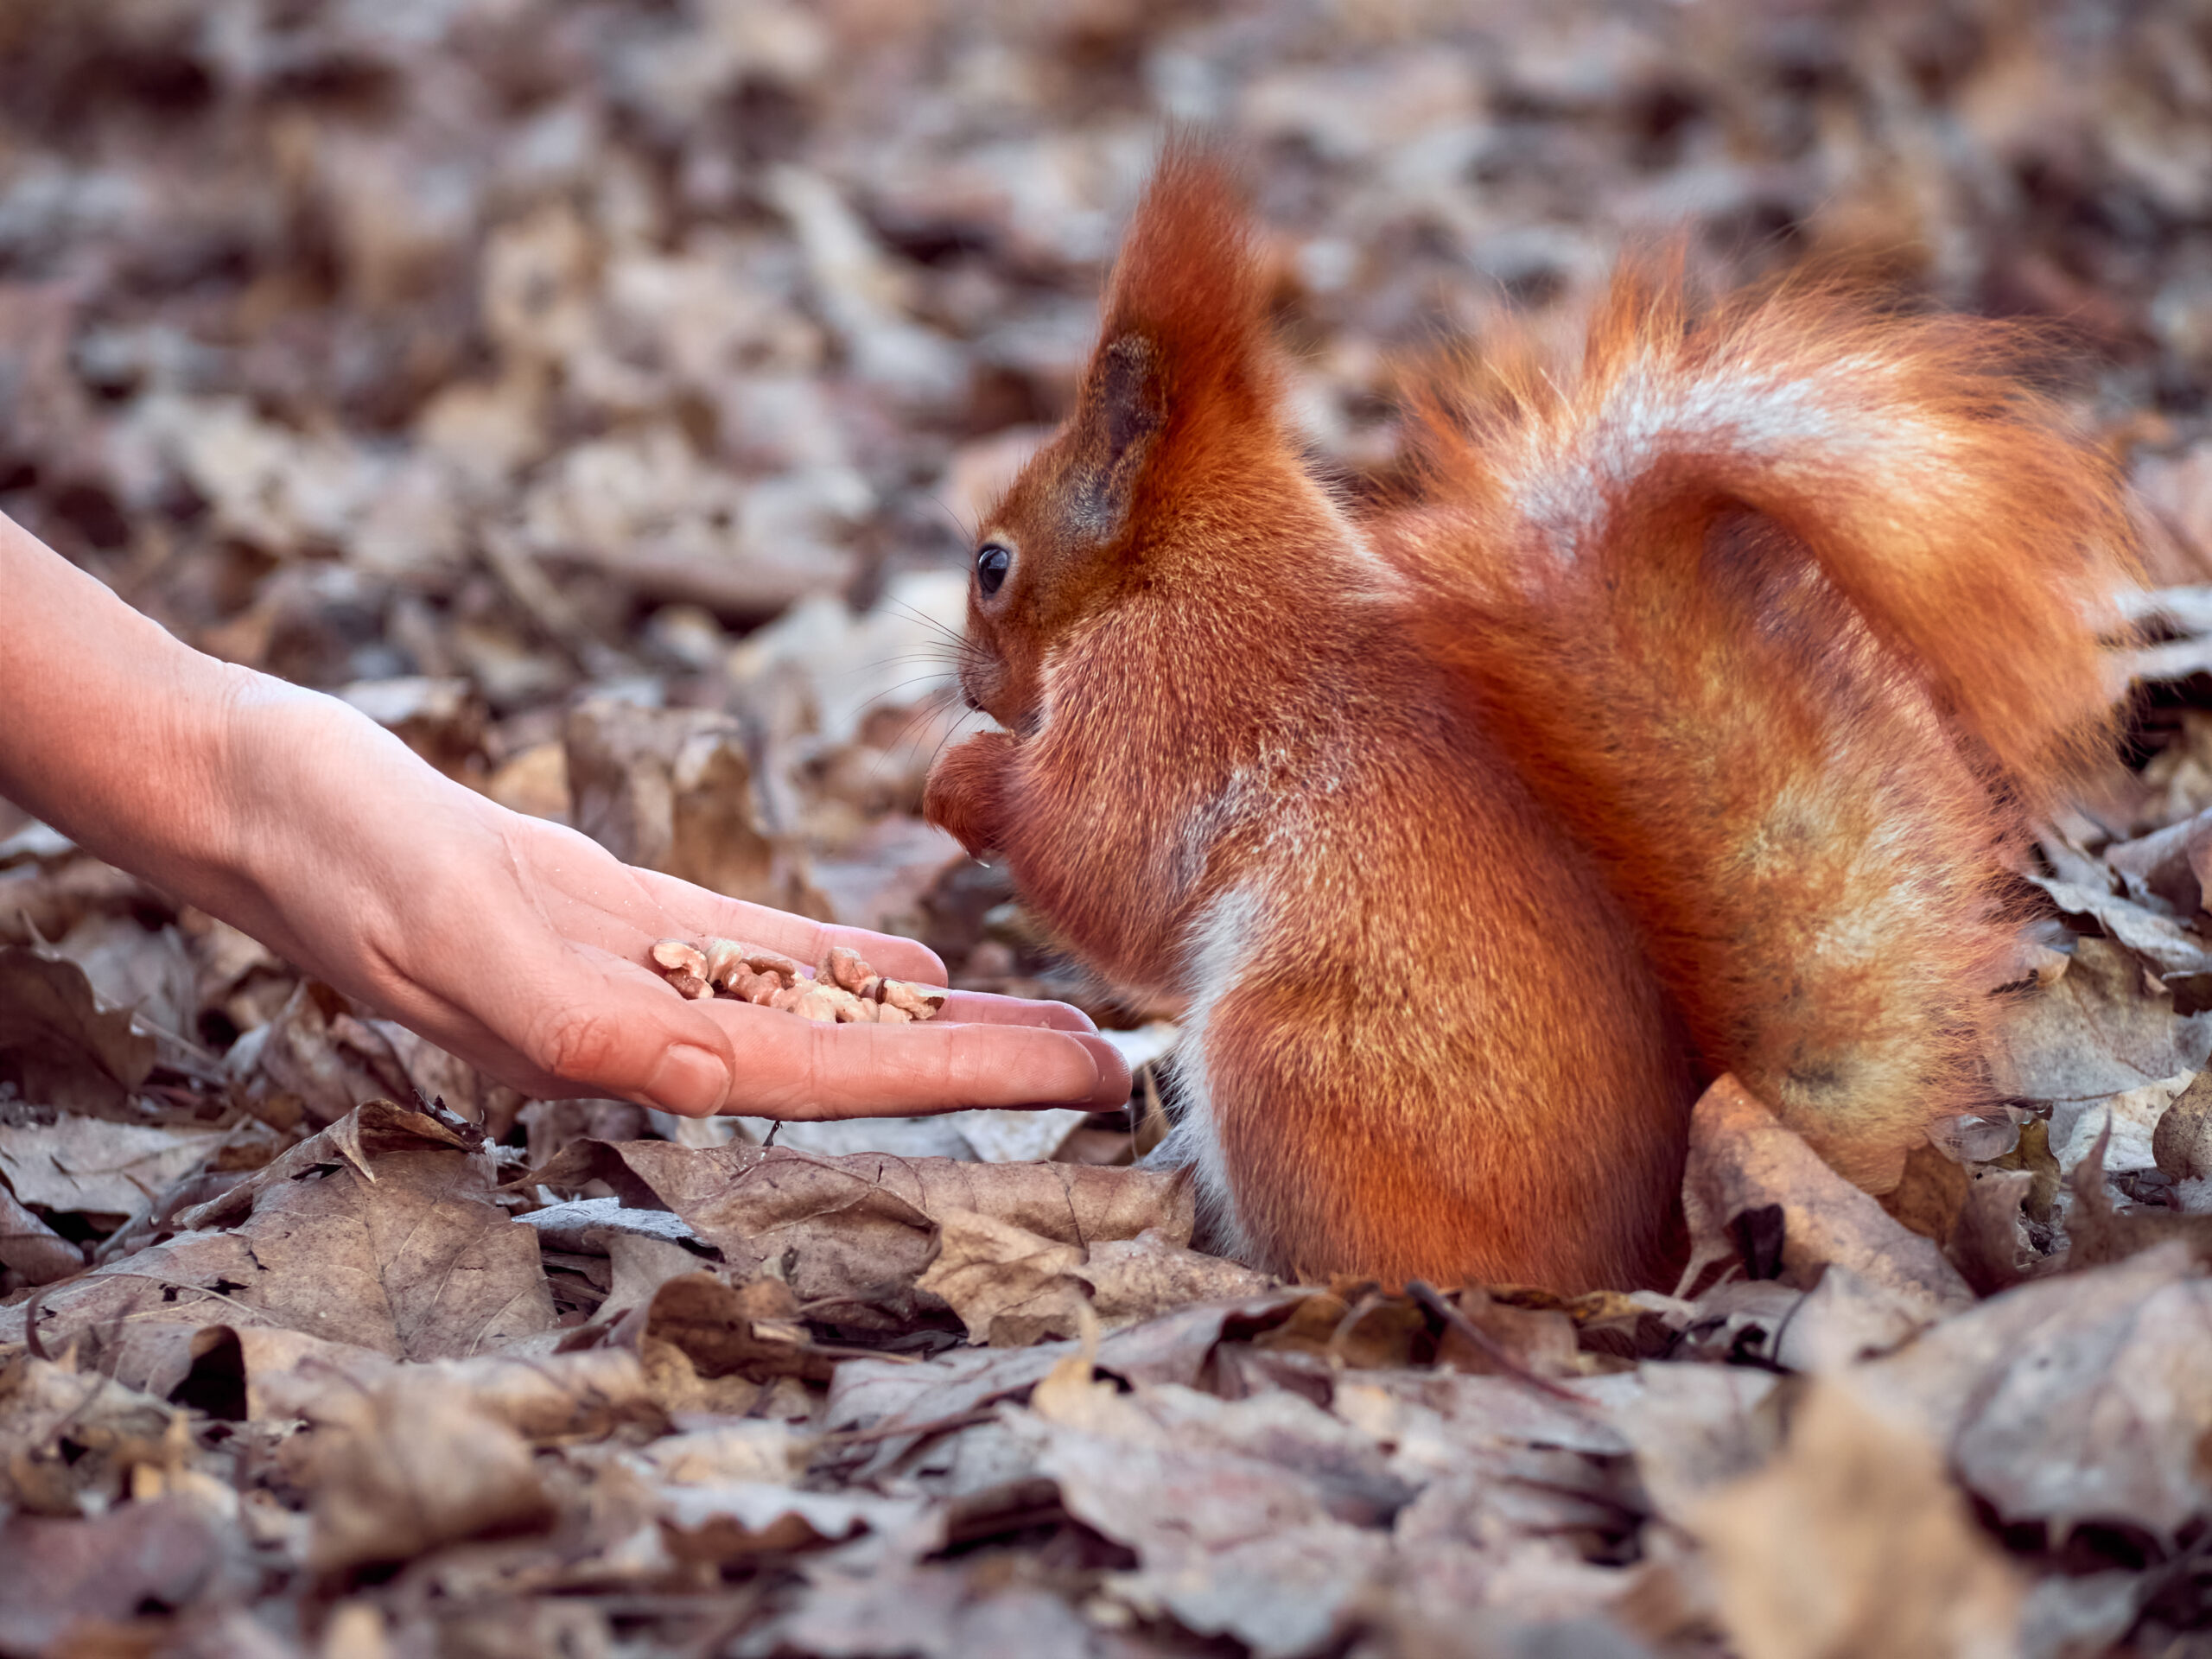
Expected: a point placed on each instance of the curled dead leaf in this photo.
(1743, 1160)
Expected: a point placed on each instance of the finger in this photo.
(709, 915)
(891, 955)
(796, 1068)
(985, 1008)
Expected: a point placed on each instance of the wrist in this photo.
(322, 826)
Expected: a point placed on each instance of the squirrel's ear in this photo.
(1186, 356)
(1121, 412)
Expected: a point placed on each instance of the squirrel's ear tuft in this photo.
(1187, 344)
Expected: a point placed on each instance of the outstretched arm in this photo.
(517, 945)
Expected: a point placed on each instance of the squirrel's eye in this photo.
(992, 562)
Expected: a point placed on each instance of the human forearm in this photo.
(112, 729)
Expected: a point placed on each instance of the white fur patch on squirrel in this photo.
(844, 988)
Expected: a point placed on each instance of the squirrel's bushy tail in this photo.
(1796, 611)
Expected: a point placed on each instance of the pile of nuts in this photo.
(844, 987)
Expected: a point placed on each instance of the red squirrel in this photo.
(1678, 721)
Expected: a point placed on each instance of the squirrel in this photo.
(1679, 718)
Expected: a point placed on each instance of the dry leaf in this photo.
(415, 1262)
(163, 1554)
(732, 1521)
(57, 1046)
(2071, 1399)
(859, 1230)
(1140, 1278)
(672, 790)
(2160, 942)
(939, 1612)
(30, 1249)
(93, 1165)
(1009, 1286)
(414, 1466)
(2098, 1032)
(1851, 1541)
(1743, 1160)
(110, 1428)
(1986, 1245)
(318, 1052)
(1230, 1543)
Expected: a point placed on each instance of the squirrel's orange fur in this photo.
(1679, 725)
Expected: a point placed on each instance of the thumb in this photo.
(613, 1035)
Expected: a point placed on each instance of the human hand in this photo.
(521, 946)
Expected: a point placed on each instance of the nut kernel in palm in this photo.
(843, 969)
(815, 1002)
(675, 957)
(915, 1001)
(725, 961)
(770, 961)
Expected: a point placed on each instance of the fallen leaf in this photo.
(1137, 1279)
(1851, 1542)
(94, 1166)
(672, 790)
(379, 1231)
(1694, 1428)
(2069, 1399)
(30, 1249)
(1005, 1137)
(1229, 1542)
(854, 1234)
(108, 1426)
(2097, 1032)
(1987, 1244)
(2159, 941)
(938, 1612)
(731, 1521)
(571, 1226)
(2130, 1116)
(57, 1046)
(1008, 1286)
(893, 1405)
(750, 1452)
(166, 1554)
(316, 1051)
(146, 971)
(2181, 1141)
(1843, 1319)
(750, 1330)
(414, 1466)
(1743, 1160)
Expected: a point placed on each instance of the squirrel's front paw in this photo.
(965, 790)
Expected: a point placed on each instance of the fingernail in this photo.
(689, 1081)
(1112, 1088)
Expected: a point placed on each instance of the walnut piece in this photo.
(843, 987)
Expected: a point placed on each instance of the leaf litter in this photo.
(599, 397)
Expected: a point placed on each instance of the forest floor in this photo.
(586, 389)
